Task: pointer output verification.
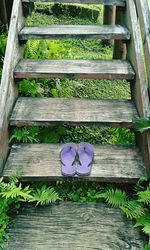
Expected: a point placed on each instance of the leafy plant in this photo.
(113, 197)
(142, 125)
(13, 193)
(31, 88)
(3, 40)
(25, 134)
(147, 247)
(44, 195)
(43, 49)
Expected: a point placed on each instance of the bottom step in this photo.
(73, 226)
(41, 162)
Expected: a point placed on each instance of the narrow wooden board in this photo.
(139, 90)
(75, 31)
(95, 69)
(8, 88)
(104, 2)
(144, 18)
(135, 55)
(53, 111)
(41, 162)
(73, 226)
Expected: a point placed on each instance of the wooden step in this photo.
(73, 226)
(53, 111)
(41, 162)
(95, 69)
(121, 3)
(75, 31)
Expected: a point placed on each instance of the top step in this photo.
(104, 2)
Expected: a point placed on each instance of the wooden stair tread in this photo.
(75, 31)
(104, 2)
(73, 226)
(53, 111)
(42, 162)
(96, 69)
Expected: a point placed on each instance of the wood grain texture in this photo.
(75, 31)
(73, 226)
(144, 18)
(42, 162)
(53, 111)
(119, 49)
(134, 54)
(109, 16)
(140, 88)
(104, 2)
(8, 89)
(99, 69)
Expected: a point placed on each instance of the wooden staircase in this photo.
(41, 161)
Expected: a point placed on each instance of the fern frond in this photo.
(147, 247)
(133, 209)
(11, 191)
(142, 125)
(25, 134)
(144, 196)
(114, 197)
(146, 229)
(45, 195)
(142, 220)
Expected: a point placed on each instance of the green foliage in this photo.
(13, 192)
(3, 40)
(113, 197)
(133, 209)
(44, 195)
(142, 125)
(4, 219)
(144, 196)
(52, 134)
(30, 88)
(44, 49)
(25, 134)
(147, 247)
(122, 136)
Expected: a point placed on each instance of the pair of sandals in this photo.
(76, 159)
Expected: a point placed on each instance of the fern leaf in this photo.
(142, 220)
(114, 197)
(144, 196)
(133, 209)
(146, 229)
(147, 247)
(45, 195)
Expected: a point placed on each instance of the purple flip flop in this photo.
(86, 157)
(68, 156)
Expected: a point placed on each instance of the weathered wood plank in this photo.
(140, 88)
(144, 17)
(104, 2)
(75, 31)
(119, 50)
(8, 89)
(73, 226)
(134, 54)
(41, 162)
(109, 17)
(99, 69)
(52, 111)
